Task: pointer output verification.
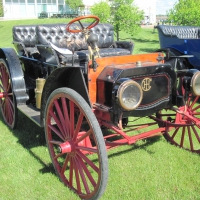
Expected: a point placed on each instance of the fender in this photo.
(71, 77)
(16, 73)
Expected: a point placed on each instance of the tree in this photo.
(185, 12)
(74, 4)
(123, 14)
(1, 9)
(102, 10)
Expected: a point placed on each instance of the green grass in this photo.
(148, 170)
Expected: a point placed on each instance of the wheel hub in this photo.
(67, 147)
(3, 94)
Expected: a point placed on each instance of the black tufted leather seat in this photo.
(28, 39)
(58, 35)
(25, 39)
(181, 32)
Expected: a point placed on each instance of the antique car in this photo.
(91, 93)
(181, 41)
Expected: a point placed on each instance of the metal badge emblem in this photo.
(146, 84)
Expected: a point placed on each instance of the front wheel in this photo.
(76, 144)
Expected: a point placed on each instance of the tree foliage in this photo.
(1, 9)
(102, 10)
(185, 12)
(74, 4)
(123, 14)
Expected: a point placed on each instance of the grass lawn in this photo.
(148, 170)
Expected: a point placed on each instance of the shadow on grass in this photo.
(135, 146)
(144, 41)
(148, 50)
(29, 136)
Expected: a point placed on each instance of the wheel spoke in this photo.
(175, 132)
(71, 104)
(78, 185)
(55, 142)
(65, 110)
(194, 102)
(3, 78)
(91, 24)
(92, 150)
(81, 24)
(87, 172)
(57, 122)
(88, 161)
(82, 175)
(196, 134)
(64, 167)
(71, 170)
(78, 126)
(83, 136)
(61, 117)
(182, 137)
(56, 131)
(190, 138)
(197, 107)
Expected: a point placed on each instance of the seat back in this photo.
(24, 38)
(58, 35)
(25, 34)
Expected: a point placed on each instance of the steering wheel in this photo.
(94, 23)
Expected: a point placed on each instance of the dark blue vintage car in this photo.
(181, 41)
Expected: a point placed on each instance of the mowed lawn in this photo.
(148, 170)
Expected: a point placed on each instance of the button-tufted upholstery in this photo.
(58, 35)
(24, 38)
(181, 32)
(25, 34)
(30, 36)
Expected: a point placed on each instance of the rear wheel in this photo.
(7, 99)
(184, 129)
(76, 144)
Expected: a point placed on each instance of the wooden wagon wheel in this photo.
(76, 144)
(7, 98)
(184, 130)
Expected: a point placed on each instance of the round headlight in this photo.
(130, 95)
(195, 84)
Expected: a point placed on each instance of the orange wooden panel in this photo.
(107, 61)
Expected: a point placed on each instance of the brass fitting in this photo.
(38, 91)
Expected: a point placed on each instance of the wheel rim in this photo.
(7, 99)
(184, 130)
(70, 137)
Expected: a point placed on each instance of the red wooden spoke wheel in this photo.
(7, 98)
(94, 23)
(76, 144)
(184, 129)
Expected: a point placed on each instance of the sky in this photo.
(161, 5)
